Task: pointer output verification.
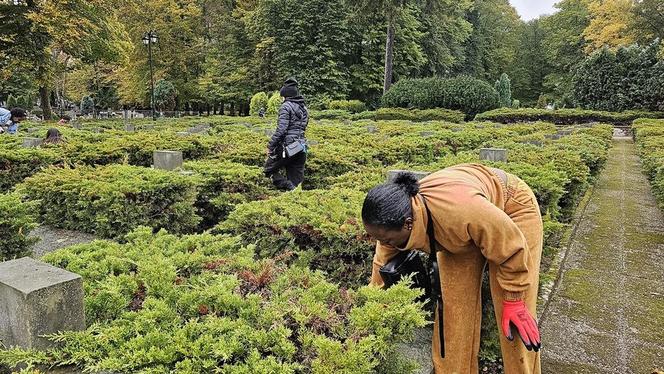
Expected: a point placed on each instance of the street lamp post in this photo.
(150, 38)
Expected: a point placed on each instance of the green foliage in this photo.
(330, 114)
(630, 78)
(165, 95)
(110, 201)
(504, 89)
(323, 227)
(204, 304)
(542, 101)
(563, 116)
(16, 221)
(222, 185)
(415, 115)
(352, 106)
(466, 94)
(258, 102)
(516, 104)
(87, 105)
(18, 163)
(649, 135)
(274, 103)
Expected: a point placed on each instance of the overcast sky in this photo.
(529, 9)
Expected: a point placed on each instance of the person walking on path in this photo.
(472, 215)
(10, 119)
(287, 147)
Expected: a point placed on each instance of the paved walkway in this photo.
(607, 313)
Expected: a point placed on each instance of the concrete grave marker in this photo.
(372, 129)
(32, 142)
(38, 299)
(553, 137)
(426, 134)
(418, 174)
(167, 160)
(183, 133)
(129, 127)
(312, 142)
(493, 154)
(456, 129)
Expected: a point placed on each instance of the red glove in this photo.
(516, 313)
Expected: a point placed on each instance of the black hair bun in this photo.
(407, 182)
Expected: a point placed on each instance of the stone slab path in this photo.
(607, 313)
(51, 239)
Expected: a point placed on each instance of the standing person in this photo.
(10, 119)
(472, 215)
(287, 147)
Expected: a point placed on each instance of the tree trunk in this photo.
(221, 108)
(232, 109)
(45, 98)
(389, 55)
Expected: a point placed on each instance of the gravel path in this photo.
(607, 315)
(52, 239)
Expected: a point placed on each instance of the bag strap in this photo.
(436, 292)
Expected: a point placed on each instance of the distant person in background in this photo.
(64, 120)
(53, 136)
(287, 147)
(10, 119)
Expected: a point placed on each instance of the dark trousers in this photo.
(294, 170)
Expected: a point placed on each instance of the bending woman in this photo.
(479, 215)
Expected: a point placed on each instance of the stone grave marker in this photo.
(553, 136)
(312, 142)
(148, 127)
(457, 129)
(183, 133)
(426, 134)
(32, 142)
(76, 125)
(32, 130)
(97, 130)
(493, 154)
(129, 127)
(418, 174)
(167, 160)
(38, 299)
(372, 129)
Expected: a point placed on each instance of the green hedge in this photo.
(330, 114)
(352, 106)
(324, 227)
(110, 201)
(202, 303)
(16, 221)
(221, 185)
(563, 116)
(16, 164)
(415, 115)
(469, 95)
(649, 135)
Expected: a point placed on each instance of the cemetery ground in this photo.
(157, 302)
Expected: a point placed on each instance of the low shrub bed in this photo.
(649, 135)
(17, 219)
(16, 164)
(352, 106)
(415, 115)
(323, 227)
(222, 185)
(110, 201)
(563, 116)
(202, 303)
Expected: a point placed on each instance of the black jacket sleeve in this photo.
(283, 122)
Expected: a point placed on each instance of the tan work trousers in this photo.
(461, 281)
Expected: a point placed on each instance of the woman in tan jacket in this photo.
(479, 215)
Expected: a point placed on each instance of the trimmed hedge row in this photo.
(649, 135)
(563, 116)
(16, 221)
(415, 115)
(110, 201)
(16, 164)
(203, 303)
(323, 227)
(467, 94)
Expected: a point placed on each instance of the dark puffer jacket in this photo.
(293, 121)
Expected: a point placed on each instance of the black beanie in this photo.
(290, 88)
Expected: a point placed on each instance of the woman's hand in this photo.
(516, 313)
